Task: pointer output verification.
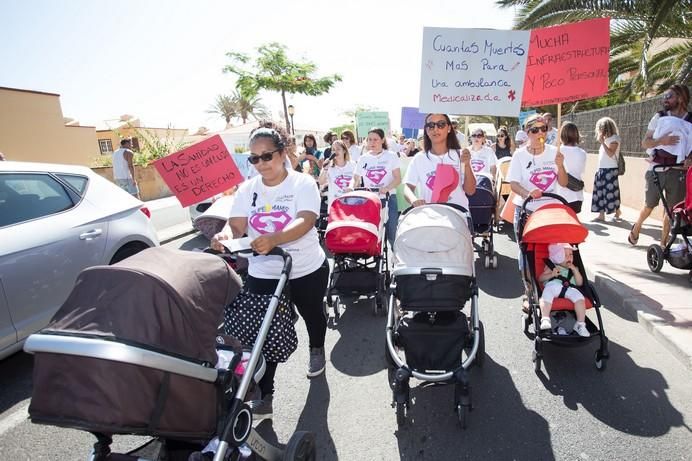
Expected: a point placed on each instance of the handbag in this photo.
(621, 164)
(574, 184)
(243, 318)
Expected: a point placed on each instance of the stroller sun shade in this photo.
(554, 223)
(434, 236)
(162, 300)
(355, 224)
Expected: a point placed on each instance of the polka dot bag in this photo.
(243, 318)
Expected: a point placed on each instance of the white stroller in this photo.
(433, 277)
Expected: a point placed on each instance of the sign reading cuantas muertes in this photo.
(473, 71)
(368, 120)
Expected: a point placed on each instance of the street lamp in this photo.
(291, 111)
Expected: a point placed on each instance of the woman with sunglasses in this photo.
(503, 147)
(483, 160)
(533, 169)
(354, 150)
(337, 172)
(279, 207)
(441, 147)
(379, 168)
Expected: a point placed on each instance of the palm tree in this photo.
(247, 104)
(650, 39)
(225, 106)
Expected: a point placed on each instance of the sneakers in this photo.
(545, 323)
(580, 328)
(262, 409)
(317, 362)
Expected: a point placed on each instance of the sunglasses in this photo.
(440, 124)
(536, 129)
(477, 136)
(668, 96)
(265, 157)
(501, 135)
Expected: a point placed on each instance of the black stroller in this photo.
(482, 206)
(432, 280)
(556, 223)
(133, 351)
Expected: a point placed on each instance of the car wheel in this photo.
(127, 251)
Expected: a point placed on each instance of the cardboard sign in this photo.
(567, 63)
(367, 120)
(199, 171)
(412, 118)
(473, 71)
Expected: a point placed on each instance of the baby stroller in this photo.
(556, 223)
(482, 206)
(321, 223)
(678, 255)
(133, 351)
(432, 280)
(356, 237)
(503, 189)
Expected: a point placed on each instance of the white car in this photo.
(55, 221)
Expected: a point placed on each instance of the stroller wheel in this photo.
(537, 358)
(654, 258)
(486, 261)
(494, 262)
(401, 414)
(301, 447)
(600, 361)
(480, 354)
(462, 415)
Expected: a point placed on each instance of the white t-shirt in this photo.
(377, 170)
(461, 138)
(482, 160)
(121, 170)
(270, 209)
(534, 172)
(354, 152)
(575, 163)
(605, 160)
(339, 179)
(421, 174)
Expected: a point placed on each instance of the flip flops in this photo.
(631, 238)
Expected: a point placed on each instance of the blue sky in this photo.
(161, 60)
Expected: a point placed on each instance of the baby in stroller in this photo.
(560, 278)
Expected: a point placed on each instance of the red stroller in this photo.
(355, 236)
(680, 215)
(555, 223)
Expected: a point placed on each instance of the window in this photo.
(106, 146)
(78, 183)
(29, 196)
(135, 144)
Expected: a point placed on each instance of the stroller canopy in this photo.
(554, 223)
(434, 235)
(163, 299)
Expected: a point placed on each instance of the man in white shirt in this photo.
(124, 168)
(551, 136)
(460, 135)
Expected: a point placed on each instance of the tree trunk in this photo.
(288, 124)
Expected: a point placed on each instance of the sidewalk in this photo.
(660, 302)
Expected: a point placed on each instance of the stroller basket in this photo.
(432, 289)
(128, 353)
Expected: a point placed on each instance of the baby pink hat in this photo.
(556, 252)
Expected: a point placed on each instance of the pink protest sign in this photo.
(199, 171)
(446, 180)
(567, 63)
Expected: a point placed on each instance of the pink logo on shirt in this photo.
(477, 165)
(543, 179)
(273, 221)
(342, 181)
(375, 175)
(430, 183)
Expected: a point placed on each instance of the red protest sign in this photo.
(567, 63)
(199, 171)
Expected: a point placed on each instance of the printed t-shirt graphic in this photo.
(339, 179)
(543, 178)
(376, 170)
(534, 172)
(266, 222)
(483, 160)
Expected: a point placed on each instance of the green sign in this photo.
(367, 120)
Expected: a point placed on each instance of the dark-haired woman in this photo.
(312, 154)
(279, 207)
(441, 147)
(380, 169)
(503, 146)
(572, 161)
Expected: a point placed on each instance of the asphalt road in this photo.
(638, 409)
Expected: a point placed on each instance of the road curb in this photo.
(632, 305)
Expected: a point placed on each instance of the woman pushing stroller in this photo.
(279, 207)
(441, 148)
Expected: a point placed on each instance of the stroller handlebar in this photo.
(545, 194)
(658, 168)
